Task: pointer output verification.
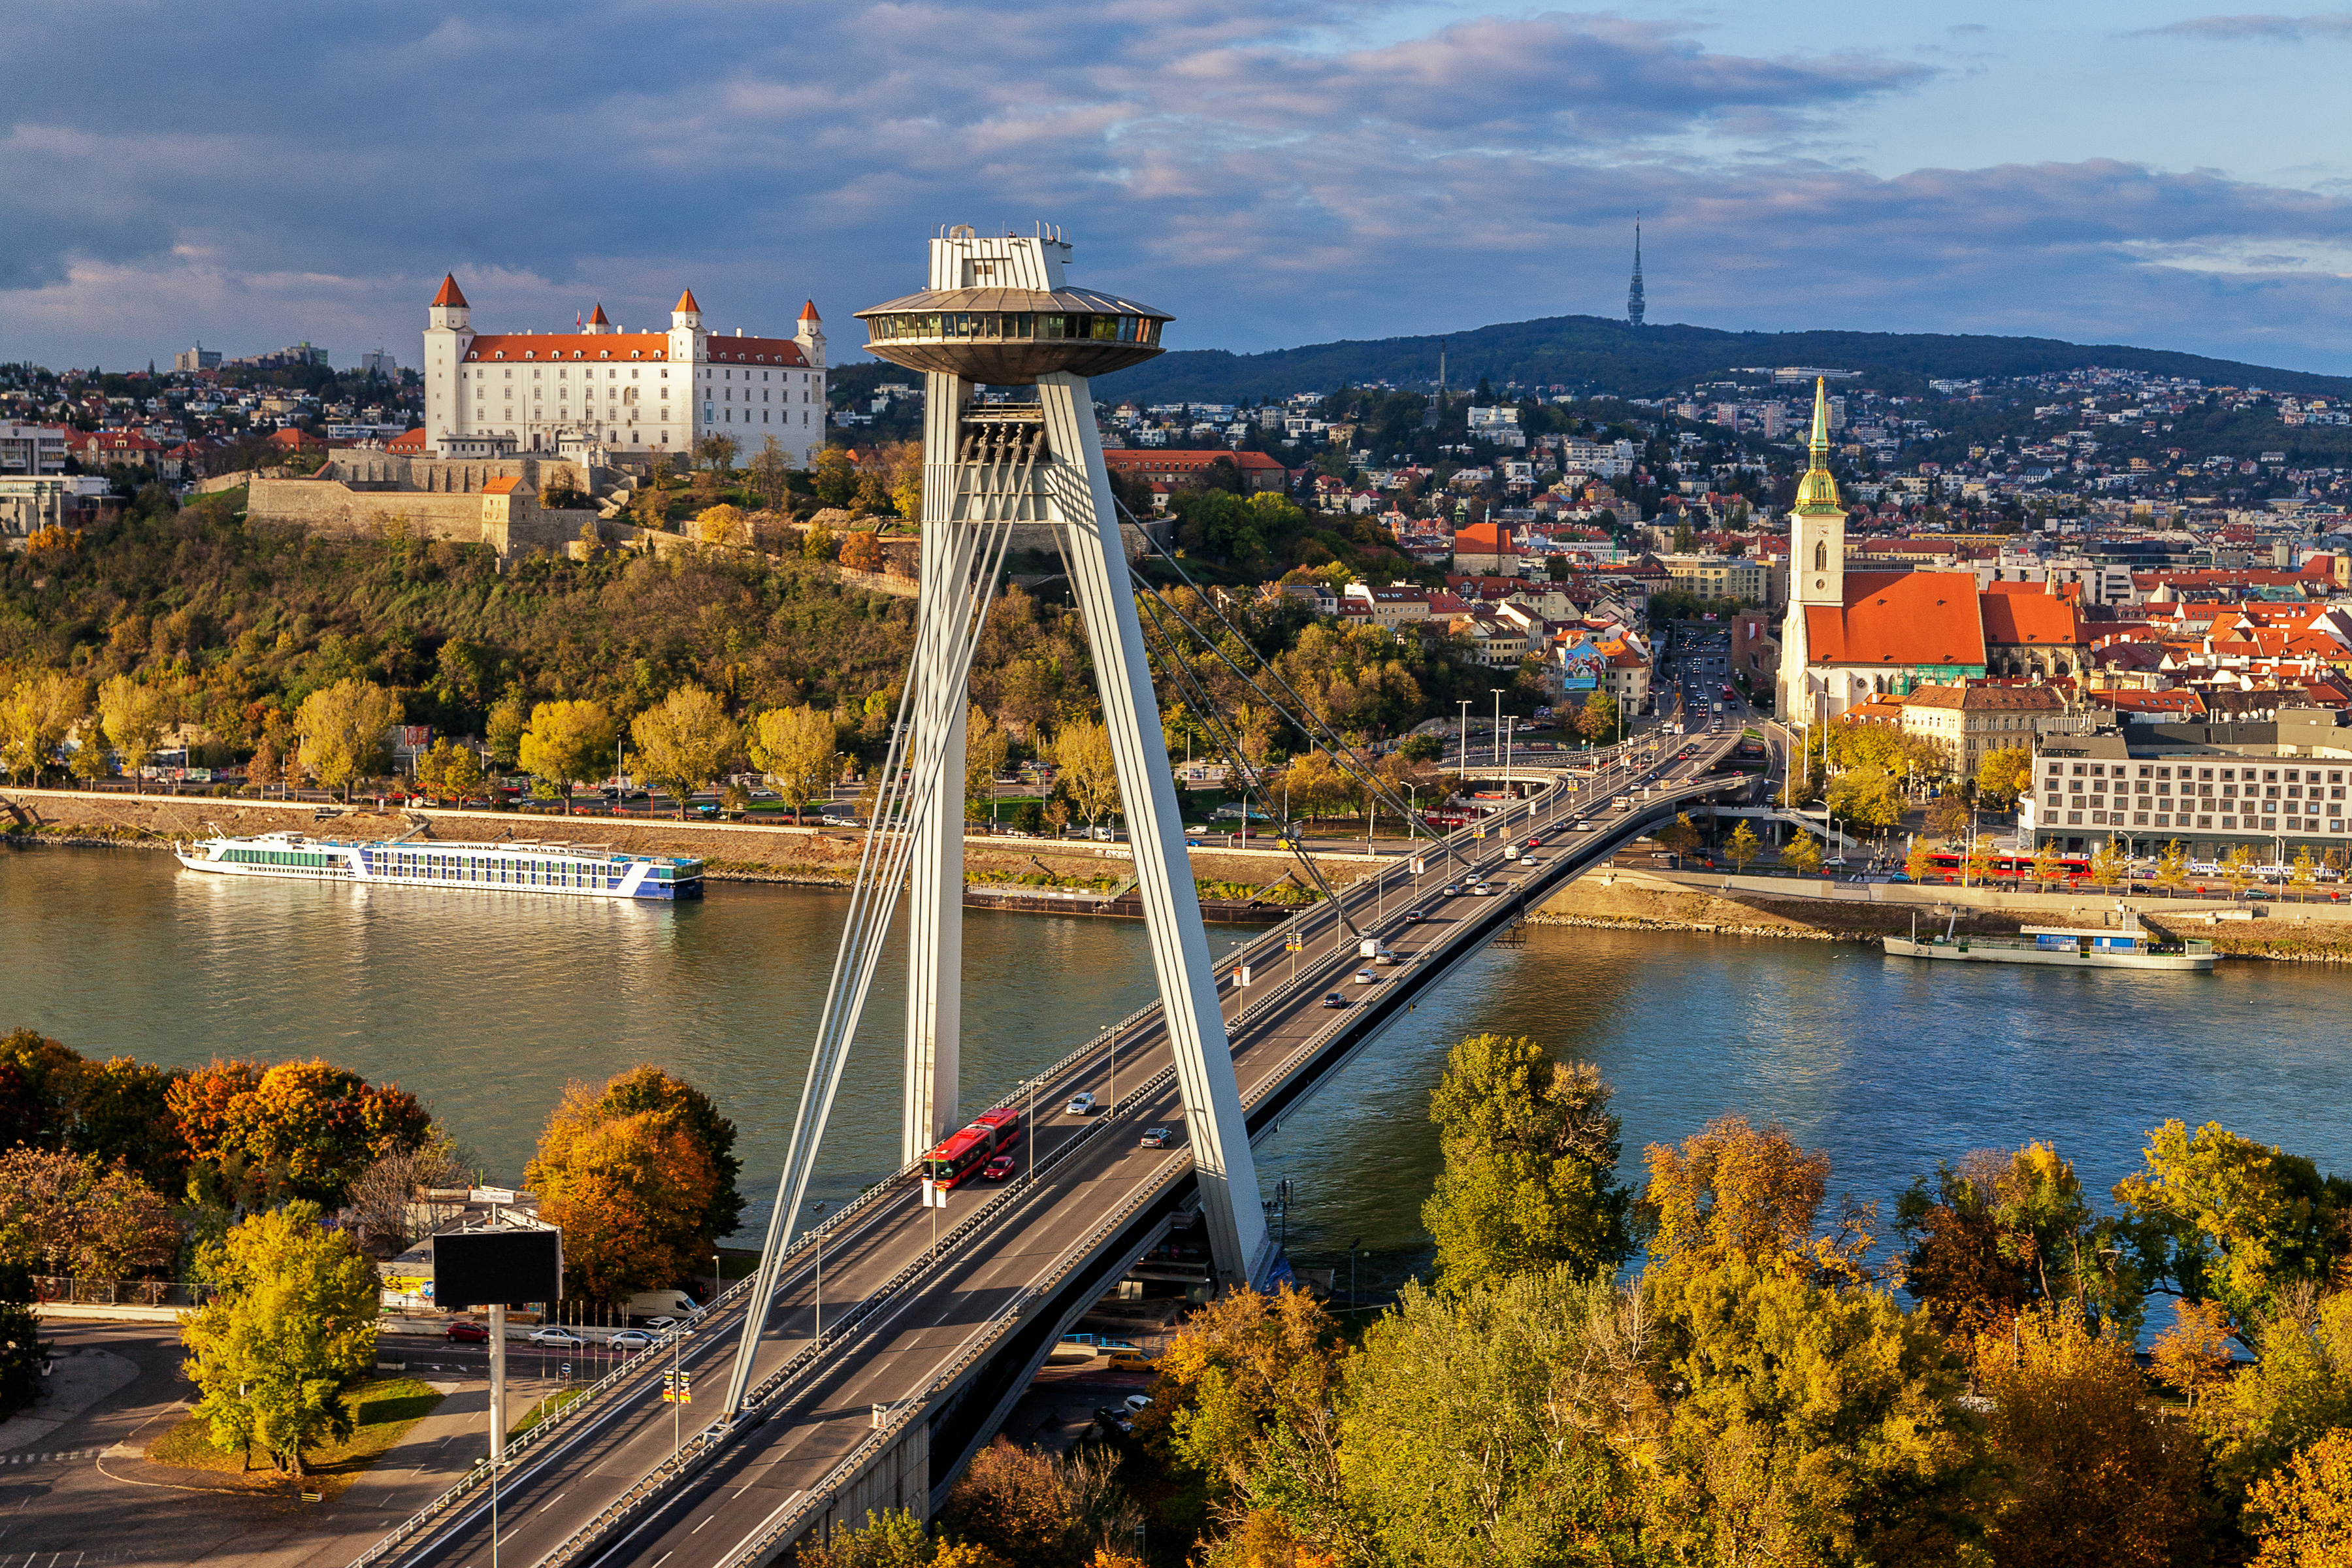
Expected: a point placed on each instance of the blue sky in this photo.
(1273, 172)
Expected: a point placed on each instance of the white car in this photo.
(552, 1335)
(1137, 1403)
(1081, 1104)
(1366, 977)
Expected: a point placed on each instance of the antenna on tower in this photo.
(1634, 304)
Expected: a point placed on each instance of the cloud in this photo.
(2326, 26)
(1255, 166)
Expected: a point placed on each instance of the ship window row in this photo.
(300, 858)
(1015, 326)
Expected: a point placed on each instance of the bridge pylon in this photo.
(999, 312)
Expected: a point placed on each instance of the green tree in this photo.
(683, 742)
(1081, 751)
(834, 476)
(1597, 719)
(35, 717)
(2109, 866)
(1743, 845)
(985, 749)
(1802, 855)
(503, 733)
(794, 749)
(2234, 1221)
(716, 453)
(650, 503)
(1529, 1180)
(134, 715)
(568, 743)
(2046, 866)
(2298, 1389)
(1500, 1423)
(70, 1214)
(1812, 1420)
(2172, 867)
(1920, 863)
(344, 729)
(1949, 814)
(2306, 874)
(2004, 775)
(294, 1323)
(1864, 798)
(23, 1354)
(818, 542)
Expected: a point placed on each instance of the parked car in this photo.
(1081, 1104)
(632, 1340)
(1157, 1138)
(1127, 1360)
(464, 1331)
(1137, 1403)
(659, 1326)
(1334, 999)
(553, 1335)
(1114, 1421)
(996, 1170)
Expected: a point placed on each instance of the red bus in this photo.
(967, 1151)
(2012, 868)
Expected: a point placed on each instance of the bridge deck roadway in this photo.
(1012, 1246)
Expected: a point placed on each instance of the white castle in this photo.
(503, 394)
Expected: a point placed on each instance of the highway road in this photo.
(901, 1324)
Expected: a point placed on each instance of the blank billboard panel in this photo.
(479, 1267)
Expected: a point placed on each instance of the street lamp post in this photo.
(1351, 1273)
(1461, 760)
(817, 1334)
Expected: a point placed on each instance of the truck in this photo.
(671, 1303)
(1510, 851)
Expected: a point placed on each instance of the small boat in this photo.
(2075, 947)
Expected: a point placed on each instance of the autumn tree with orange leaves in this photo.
(639, 1175)
(299, 1129)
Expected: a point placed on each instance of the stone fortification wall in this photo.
(332, 507)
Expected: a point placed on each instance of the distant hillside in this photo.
(1591, 354)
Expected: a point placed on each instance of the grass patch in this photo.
(382, 1408)
(548, 1408)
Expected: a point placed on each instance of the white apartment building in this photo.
(491, 394)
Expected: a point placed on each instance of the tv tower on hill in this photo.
(1634, 295)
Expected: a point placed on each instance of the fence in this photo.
(62, 1290)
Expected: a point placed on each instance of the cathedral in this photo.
(1853, 636)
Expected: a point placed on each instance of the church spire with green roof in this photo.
(1817, 491)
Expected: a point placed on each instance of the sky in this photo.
(1272, 171)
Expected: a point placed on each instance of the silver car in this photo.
(1081, 1104)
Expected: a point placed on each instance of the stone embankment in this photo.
(741, 852)
(1845, 911)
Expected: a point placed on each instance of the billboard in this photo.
(510, 1265)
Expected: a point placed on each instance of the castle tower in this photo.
(1634, 304)
(1816, 560)
(597, 325)
(448, 331)
(811, 336)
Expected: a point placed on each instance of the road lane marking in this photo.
(698, 1529)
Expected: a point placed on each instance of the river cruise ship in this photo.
(2073, 947)
(565, 870)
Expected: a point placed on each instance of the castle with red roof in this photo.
(504, 394)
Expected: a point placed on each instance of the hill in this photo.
(1591, 354)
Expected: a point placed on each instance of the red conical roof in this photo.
(450, 294)
(685, 303)
(808, 312)
(596, 316)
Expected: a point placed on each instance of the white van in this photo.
(663, 1304)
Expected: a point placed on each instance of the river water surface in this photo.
(485, 1006)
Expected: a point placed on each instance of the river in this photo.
(486, 1005)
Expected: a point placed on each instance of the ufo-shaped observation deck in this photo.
(1010, 337)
